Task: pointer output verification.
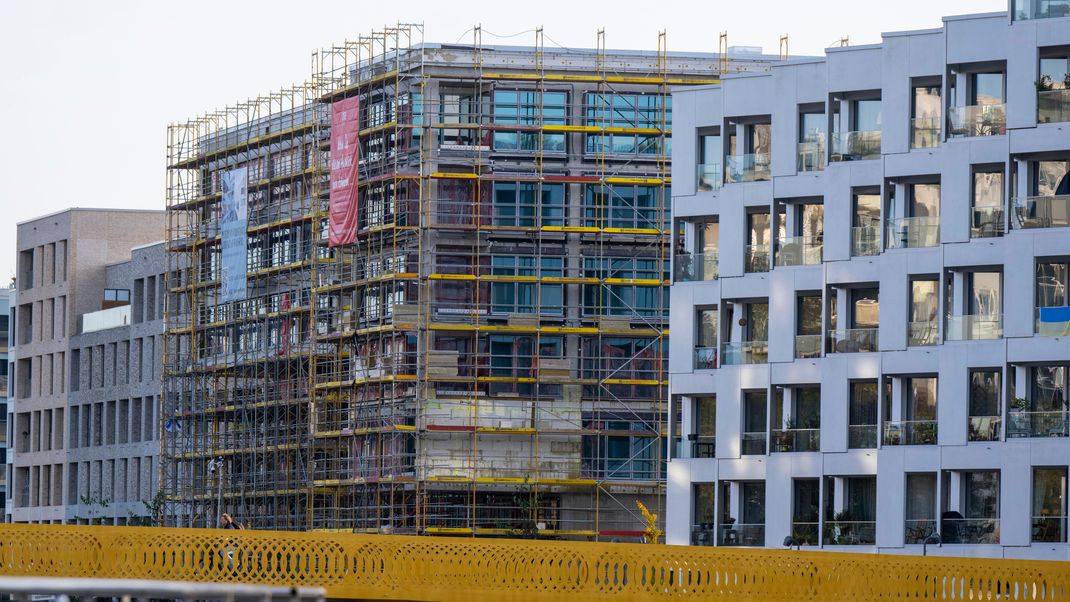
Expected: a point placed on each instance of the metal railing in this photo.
(747, 168)
(694, 267)
(796, 440)
(923, 333)
(862, 436)
(856, 146)
(753, 443)
(987, 222)
(703, 446)
(909, 432)
(917, 530)
(853, 340)
(925, 132)
(811, 155)
(969, 530)
(1053, 106)
(977, 120)
(738, 534)
(745, 352)
(799, 250)
(703, 535)
(705, 358)
(756, 258)
(709, 177)
(1021, 424)
(807, 346)
(850, 532)
(974, 327)
(912, 232)
(985, 428)
(865, 241)
(1049, 529)
(1049, 211)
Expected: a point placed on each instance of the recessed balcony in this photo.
(799, 250)
(1023, 424)
(853, 340)
(977, 120)
(913, 232)
(865, 241)
(811, 155)
(710, 177)
(856, 146)
(909, 432)
(756, 258)
(983, 327)
(1053, 106)
(695, 267)
(925, 132)
(752, 167)
(796, 440)
(745, 352)
(1051, 211)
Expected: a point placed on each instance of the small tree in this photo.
(152, 514)
(652, 533)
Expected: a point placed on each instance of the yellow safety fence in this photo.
(389, 567)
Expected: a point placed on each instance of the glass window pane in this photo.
(867, 115)
(988, 189)
(925, 200)
(987, 88)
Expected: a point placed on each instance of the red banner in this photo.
(345, 154)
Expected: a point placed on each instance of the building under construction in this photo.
(485, 352)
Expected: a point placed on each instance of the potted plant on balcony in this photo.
(925, 433)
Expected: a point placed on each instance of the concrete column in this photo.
(787, 408)
(735, 501)
(954, 497)
(843, 304)
(839, 494)
(686, 418)
(959, 293)
(896, 401)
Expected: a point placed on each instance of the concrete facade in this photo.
(63, 275)
(796, 412)
(7, 296)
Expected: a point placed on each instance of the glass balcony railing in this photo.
(909, 432)
(1052, 211)
(752, 443)
(1053, 106)
(710, 177)
(1056, 326)
(799, 250)
(856, 146)
(1049, 529)
(923, 333)
(917, 530)
(693, 267)
(807, 346)
(1021, 424)
(702, 446)
(925, 132)
(705, 358)
(969, 530)
(977, 120)
(796, 440)
(811, 155)
(703, 535)
(985, 428)
(850, 532)
(743, 534)
(805, 533)
(987, 222)
(747, 168)
(974, 327)
(853, 340)
(865, 241)
(756, 258)
(745, 352)
(862, 436)
(1040, 9)
(913, 232)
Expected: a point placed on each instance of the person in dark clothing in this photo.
(228, 522)
(1064, 185)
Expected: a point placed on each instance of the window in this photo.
(1053, 86)
(1049, 504)
(865, 222)
(624, 206)
(986, 409)
(914, 421)
(519, 297)
(120, 295)
(646, 299)
(709, 165)
(986, 88)
(754, 423)
(616, 455)
(924, 200)
(522, 107)
(518, 204)
(628, 111)
(987, 207)
(862, 415)
(867, 115)
(920, 506)
(806, 497)
(797, 418)
(923, 326)
(706, 339)
(811, 143)
(808, 326)
(702, 530)
(704, 427)
(926, 111)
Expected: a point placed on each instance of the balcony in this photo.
(743, 535)
(705, 358)
(695, 267)
(1053, 321)
(925, 132)
(913, 232)
(756, 258)
(753, 443)
(702, 535)
(799, 250)
(862, 436)
(1052, 211)
(1049, 529)
(974, 327)
(1053, 106)
(853, 340)
(699, 446)
(910, 432)
(850, 532)
(811, 155)
(920, 334)
(805, 533)
(987, 222)
(917, 530)
(985, 428)
(865, 241)
(747, 168)
(856, 146)
(796, 440)
(977, 120)
(745, 352)
(710, 177)
(807, 346)
(969, 530)
(1031, 9)
(1022, 424)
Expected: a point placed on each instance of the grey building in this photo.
(63, 281)
(869, 316)
(7, 295)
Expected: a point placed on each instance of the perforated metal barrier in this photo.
(437, 568)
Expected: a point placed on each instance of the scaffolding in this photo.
(488, 356)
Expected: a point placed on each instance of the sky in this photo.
(87, 89)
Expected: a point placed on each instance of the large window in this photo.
(635, 111)
(1049, 504)
(520, 297)
(519, 204)
(987, 219)
(646, 299)
(625, 206)
(522, 108)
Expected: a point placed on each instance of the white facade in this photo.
(871, 373)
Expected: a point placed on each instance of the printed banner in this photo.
(1054, 321)
(232, 225)
(345, 155)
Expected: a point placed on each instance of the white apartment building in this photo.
(869, 341)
